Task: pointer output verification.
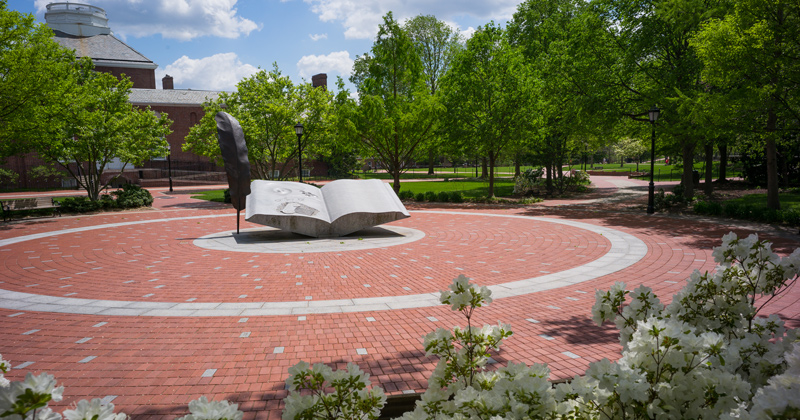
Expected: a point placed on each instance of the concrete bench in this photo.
(29, 204)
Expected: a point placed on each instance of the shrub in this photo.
(79, 205)
(443, 196)
(456, 197)
(527, 182)
(791, 217)
(132, 196)
(710, 208)
(226, 196)
(420, 197)
(406, 195)
(107, 201)
(430, 196)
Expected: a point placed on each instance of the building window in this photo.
(193, 118)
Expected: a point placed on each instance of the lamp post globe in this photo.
(298, 129)
(653, 114)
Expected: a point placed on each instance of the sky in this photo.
(212, 44)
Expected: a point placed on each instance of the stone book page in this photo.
(347, 196)
(280, 203)
(341, 207)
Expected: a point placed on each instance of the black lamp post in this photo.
(653, 113)
(169, 165)
(299, 130)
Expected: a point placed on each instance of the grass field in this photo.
(213, 195)
(470, 189)
(788, 200)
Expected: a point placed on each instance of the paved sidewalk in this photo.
(130, 307)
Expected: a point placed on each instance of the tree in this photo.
(37, 74)
(558, 39)
(754, 52)
(395, 114)
(101, 126)
(485, 94)
(436, 44)
(647, 58)
(267, 105)
(629, 147)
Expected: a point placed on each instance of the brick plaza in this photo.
(131, 307)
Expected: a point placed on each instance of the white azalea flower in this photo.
(85, 410)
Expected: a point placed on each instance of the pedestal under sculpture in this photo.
(342, 207)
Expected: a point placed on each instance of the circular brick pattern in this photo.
(156, 269)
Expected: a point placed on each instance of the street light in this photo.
(299, 130)
(653, 113)
(169, 165)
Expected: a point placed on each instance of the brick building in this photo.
(84, 29)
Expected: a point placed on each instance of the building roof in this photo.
(105, 50)
(172, 97)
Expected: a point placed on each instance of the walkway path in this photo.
(134, 308)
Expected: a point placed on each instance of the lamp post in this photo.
(653, 113)
(299, 130)
(169, 165)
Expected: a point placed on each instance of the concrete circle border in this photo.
(288, 243)
(625, 251)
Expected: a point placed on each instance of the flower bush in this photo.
(350, 400)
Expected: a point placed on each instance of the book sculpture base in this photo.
(339, 208)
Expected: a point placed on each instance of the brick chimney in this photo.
(166, 82)
(320, 80)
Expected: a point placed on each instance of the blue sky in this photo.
(212, 44)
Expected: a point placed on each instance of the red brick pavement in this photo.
(155, 365)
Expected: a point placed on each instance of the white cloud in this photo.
(317, 37)
(177, 19)
(467, 33)
(334, 63)
(360, 18)
(218, 72)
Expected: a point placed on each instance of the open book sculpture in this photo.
(337, 209)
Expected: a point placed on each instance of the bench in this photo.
(29, 204)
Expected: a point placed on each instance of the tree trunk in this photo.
(773, 201)
(396, 183)
(491, 173)
(431, 157)
(688, 167)
(549, 177)
(517, 170)
(484, 169)
(723, 163)
(708, 188)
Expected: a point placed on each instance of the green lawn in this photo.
(470, 189)
(214, 195)
(788, 200)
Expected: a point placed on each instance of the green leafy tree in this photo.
(754, 54)
(647, 60)
(568, 113)
(395, 114)
(35, 75)
(485, 94)
(436, 44)
(267, 105)
(629, 147)
(101, 126)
